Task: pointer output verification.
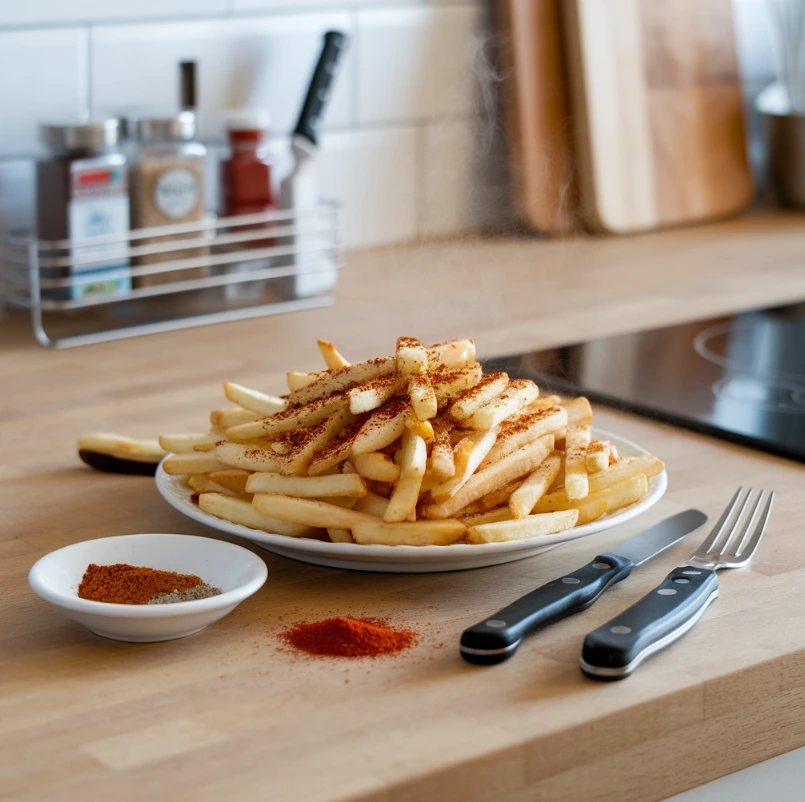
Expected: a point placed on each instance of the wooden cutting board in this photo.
(658, 112)
(538, 115)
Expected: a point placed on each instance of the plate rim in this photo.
(167, 486)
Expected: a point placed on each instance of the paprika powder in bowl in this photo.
(235, 571)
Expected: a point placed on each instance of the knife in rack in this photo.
(496, 639)
(299, 190)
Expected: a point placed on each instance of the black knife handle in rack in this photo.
(319, 90)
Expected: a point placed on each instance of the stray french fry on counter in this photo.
(416, 448)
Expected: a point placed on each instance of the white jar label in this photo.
(176, 193)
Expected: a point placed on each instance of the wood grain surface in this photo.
(227, 715)
(538, 121)
(658, 112)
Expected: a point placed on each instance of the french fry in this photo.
(347, 502)
(334, 381)
(424, 428)
(497, 497)
(517, 432)
(372, 394)
(405, 495)
(449, 383)
(576, 441)
(442, 461)
(494, 476)
(337, 450)
(116, 445)
(254, 400)
(466, 404)
(235, 416)
(518, 394)
(422, 533)
(533, 526)
(423, 396)
(412, 357)
(376, 466)
(383, 427)
(185, 443)
(616, 496)
(233, 480)
(452, 354)
(490, 517)
(312, 440)
(626, 469)
(202, 483)
(597, 458)
(310, 512)
(289, 419)
(372, 504)
(332, 358)
(578, 411)
(193, 462)
(249, 458)
(340, 535)
(542, 402)
(340, 484)
(590, 509)
(240, 511)
(522, 500)
(469, 454)
(296, 381)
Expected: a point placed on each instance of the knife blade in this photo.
(496, 638)
(316, 271)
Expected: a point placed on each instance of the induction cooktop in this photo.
(741, 377)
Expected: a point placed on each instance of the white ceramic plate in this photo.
(238, 572)
(410, 559)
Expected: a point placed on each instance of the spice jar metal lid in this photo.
(248, 120)
(178, 127)
(85, 135)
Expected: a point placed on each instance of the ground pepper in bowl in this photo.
(133, 584)
(348, 637)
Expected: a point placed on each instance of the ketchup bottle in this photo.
(247, 173)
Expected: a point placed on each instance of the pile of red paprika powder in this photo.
(348, 637)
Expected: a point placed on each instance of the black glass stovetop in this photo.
(740, 377)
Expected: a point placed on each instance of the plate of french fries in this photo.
(413, 462)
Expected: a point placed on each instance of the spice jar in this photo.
(247, 173)
(246, 183)
(167, 187)
(82, 194)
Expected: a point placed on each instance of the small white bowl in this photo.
(236, 571)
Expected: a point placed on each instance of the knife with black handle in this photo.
(496, 638)
(319, 90)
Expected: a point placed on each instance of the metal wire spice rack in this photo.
(234, 268)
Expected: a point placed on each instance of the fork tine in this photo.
(746, 553)
(731, 548)
(720, 526)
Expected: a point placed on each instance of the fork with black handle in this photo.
(664, 615)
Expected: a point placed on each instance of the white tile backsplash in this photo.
(274, 5)
(464, 178)
(417, 63)
(52, 12)
(44, 78)
(261, 62)
(373, 174)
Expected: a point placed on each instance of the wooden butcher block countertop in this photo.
(226, 715)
